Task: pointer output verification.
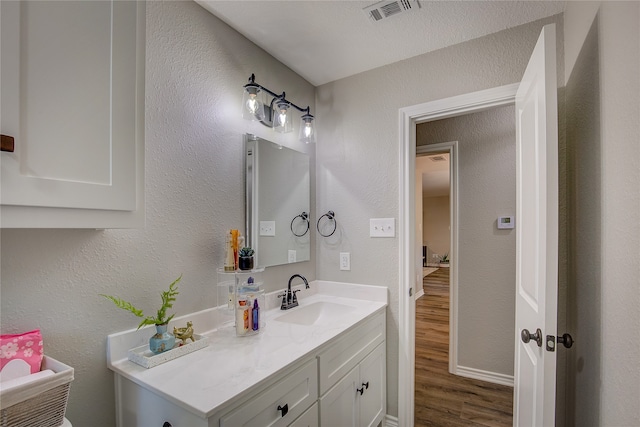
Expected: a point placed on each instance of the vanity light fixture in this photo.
(278, 113)
(282, 117)
(252, 107)
(307, 131)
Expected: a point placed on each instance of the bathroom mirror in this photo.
(277, 202)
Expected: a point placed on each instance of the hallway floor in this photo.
(443, 399)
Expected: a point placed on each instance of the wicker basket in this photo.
(41, 403)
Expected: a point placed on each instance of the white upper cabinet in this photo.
(72, 97)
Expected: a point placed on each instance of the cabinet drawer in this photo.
(348, 351)
(296, 392)
(308, 419)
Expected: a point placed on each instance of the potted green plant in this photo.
(245, 258)
(162, 340)
(444, 260)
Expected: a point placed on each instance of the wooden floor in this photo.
(442, 399)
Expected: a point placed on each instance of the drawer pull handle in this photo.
(360, 390)
(366, 385)
(284, 409)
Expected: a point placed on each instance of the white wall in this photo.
(435, 224)
(486, 255)
(195, 69)
(357, 151)
(603, 124)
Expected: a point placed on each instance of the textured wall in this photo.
(357, 152)
(51, 279)
(486, 256)
(603, 116)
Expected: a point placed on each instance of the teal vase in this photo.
(162, 341)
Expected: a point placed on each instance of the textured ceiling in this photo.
(325, 41)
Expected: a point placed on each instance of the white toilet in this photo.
(66, 423)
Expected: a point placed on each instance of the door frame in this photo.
(452, 149)
(409, 117)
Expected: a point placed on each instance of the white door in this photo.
(536, 237)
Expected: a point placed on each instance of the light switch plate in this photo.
(382, 227)
(267, 228)
(292, 255)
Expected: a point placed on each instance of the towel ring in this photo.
(305, 218)
(331, 217)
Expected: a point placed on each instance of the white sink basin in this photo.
(317, 313)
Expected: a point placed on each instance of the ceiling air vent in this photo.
(385, 9)
(438, 158)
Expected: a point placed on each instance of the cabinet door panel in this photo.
(339, 406)
(372, 379)
(345, 354)
(298, 391)
(69, 100)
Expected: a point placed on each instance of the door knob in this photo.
(566, 340)
(527, 336)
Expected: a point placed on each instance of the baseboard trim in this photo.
(419, 293)
(390, 421)
(479, 374)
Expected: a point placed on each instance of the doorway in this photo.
(436, 200)
(410, 117)
(454, 387)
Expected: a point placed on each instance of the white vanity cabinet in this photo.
(359, 398)
(290, 375)
(296, 391)
(72, 99)
(353, 377)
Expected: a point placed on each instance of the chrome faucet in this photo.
(289, 299)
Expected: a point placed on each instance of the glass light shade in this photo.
(307, 130)
(252, 107)
(282, 117)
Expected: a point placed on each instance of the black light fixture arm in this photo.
(252, 83)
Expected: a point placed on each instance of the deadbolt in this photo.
(527, 336)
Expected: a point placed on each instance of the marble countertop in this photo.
(204, 381)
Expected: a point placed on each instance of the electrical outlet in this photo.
(267, 228)
(292, 255)
(345, 261)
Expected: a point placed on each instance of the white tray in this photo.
(145, 358)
